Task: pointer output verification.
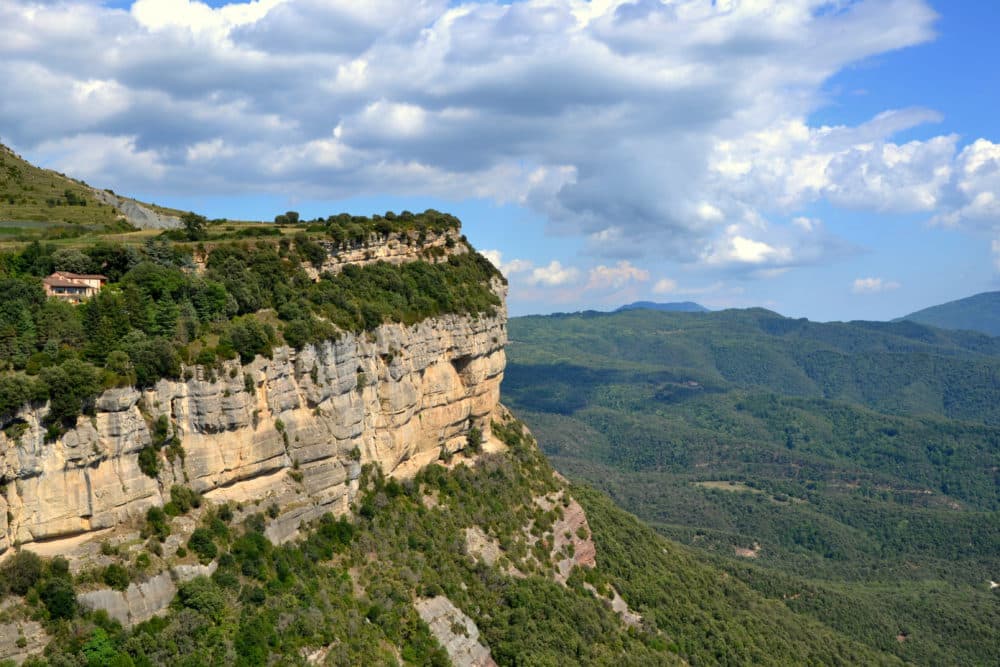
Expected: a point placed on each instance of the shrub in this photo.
(59, 598)
(201, 594)
(201, 543)
(184, 498)
(474, 441)
(116, 577)
(149, 462)
(21, 572)
(157, 523)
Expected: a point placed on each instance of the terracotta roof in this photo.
(80, 276)
(56, 281)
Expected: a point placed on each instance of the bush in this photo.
(474, 441)
(59, 598)
(157, 523)
(116, 577)
(149, 462)
(201, 594)
(16, 391)
(249, 338)
(183, 498)
(201, 543)
(21, 572)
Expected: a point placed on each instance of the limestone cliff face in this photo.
(295, 428)
(396, 248)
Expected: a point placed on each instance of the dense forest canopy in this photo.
(855, 461)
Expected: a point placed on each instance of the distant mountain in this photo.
(676, 307)
(854, 462)
(975, 313)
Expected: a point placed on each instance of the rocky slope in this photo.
(396, 248)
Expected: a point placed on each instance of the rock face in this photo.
(138, 215)
(141, 601)
(396, 248)
(296, 427)
(456, 632)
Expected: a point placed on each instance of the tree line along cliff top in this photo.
(212, 291)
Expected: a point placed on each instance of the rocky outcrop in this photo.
(396, 248)
(296, 427)
(141, 601)
(19, 640)
(455, 631)
(139, 216)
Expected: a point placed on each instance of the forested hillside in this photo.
(848, 471)
(975, 313)
(344, 594)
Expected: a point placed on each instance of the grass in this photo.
(40, 203)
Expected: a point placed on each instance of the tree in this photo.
(201, 594)
(72, 386)
(201, 543)
(474, 441)
(116, 576)
(59, 598)
(72, 260)
(22, 571)
(194, 225)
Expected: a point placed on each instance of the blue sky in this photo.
(833, 160)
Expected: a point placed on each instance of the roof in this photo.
(79, 276)
(57, 281)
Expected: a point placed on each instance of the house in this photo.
(73, 287)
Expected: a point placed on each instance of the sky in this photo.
(830, 159)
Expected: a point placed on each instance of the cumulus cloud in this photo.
(644, 128)
(873, 285)
(507, 268)
(554, 275)
(615, 277)
(665, 286)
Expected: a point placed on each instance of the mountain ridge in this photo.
(675, 306)
(836, 458)
(979, 312)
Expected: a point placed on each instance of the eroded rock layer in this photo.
(298, 426)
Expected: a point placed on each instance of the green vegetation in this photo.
(349, 586)
(853, 465)
(157, 313)
(975, 313)
(42, 204)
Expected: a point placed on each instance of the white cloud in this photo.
(665, 286)
(615, 277)
(644, 128)
(554, 275)
(198, 16)
(735, 249)
(873, 285)
(507, 268)
(806, 224)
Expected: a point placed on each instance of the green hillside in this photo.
(347, 587)
(975, 313)
(41, 203)
(854, 463)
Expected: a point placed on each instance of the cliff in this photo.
(296, 428)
